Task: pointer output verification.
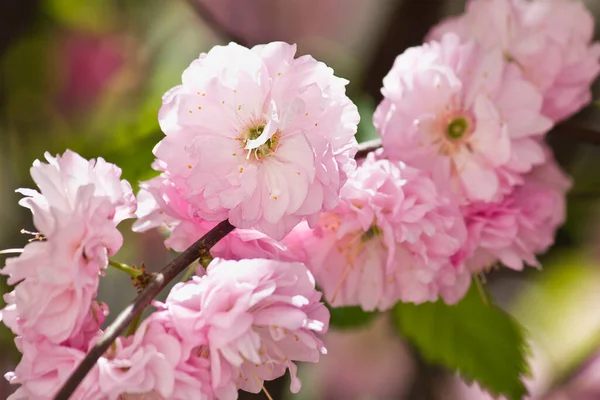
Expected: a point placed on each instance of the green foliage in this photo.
(349, 317)
(482, 343)
(91, 15)
(560, 310)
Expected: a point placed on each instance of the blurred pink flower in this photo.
(252, 319)
(584, 385)
(521, 225)
(549, 40)
(258, 137)
(367, 362)
(88, 62)
(389, 240)
(462, 114)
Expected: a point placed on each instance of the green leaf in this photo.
(483, 343)
(349, 317)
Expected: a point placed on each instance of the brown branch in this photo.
(159, 282)
(207, 16)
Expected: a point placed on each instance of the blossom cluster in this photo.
(238, 325)
(463, 182)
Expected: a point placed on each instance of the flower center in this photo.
(371, 233)
(255, 132)
(264, 150)
(457, 128)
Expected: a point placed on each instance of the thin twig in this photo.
(125, 268)
(159, 281)
(481, 290)
(203, 12)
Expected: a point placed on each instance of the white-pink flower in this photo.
(252, 319)
(77, 209)
(549, 40)
(391, 239)
(258, 137)
(463, 114)
(512, 231)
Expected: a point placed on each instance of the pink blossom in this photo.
(549, 40)
(252, 319)
(389, 240)
(141, 364)
(77, 209)
(60, 315)
(464, 115)
(161, 205)
(68, 179)
(90, 329)
(370, 362)
(512, 231)
(151, 364)
(44, 367)
(258, 137)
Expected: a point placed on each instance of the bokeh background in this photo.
(89, 75)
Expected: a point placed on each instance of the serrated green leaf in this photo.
(349, 317)
(483, 343)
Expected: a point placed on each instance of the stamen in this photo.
(37, 236)
(373, 231)
(341, 282)
(479, 285)
(260, 383)
(457, 128)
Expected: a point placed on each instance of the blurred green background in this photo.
(89, 76)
